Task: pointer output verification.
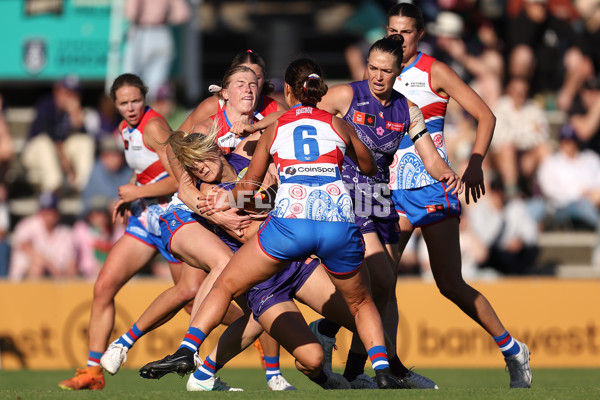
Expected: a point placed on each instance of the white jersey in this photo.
(309, 153)
(147, 168)
(407, 170)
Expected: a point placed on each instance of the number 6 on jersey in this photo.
(305, 147)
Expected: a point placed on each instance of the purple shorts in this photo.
(281, 287)
(387, 228)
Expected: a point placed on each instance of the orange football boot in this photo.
(90, 378)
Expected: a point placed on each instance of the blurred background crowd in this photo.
(535, 62)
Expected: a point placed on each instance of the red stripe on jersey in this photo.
(276, 158)
(433, 110)
(155, 169)
(269, 105)
(335, 156)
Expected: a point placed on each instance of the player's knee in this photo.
(104, 289)
(186, 291)
(451, 289)
(310, 360)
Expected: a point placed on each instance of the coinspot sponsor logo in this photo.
(290, 171)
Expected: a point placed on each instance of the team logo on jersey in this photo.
(363, 118)
(126, 144)
(290, 171)
(434, 207)
(394, 126)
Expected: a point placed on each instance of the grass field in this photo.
(467, 384)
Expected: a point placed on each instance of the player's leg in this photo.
(126, 257)
(249, 266)
(443, 246)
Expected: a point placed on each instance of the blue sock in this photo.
(508, 345)
(378, 357)
(272, 364)
(207, 370)
(193, 339)
(129, 339)
(93, 358)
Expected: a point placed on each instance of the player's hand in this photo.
(233, 220)
(241, 130)
(454, 184)
(128, 192)
(214, 202)
(473, 179)
(120, 209)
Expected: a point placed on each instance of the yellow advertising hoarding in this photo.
(43, 325)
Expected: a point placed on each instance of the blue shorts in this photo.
(426, 205)
(172, 220)
(339, 245)
(281, 287)
(137, 230)
(387, 229)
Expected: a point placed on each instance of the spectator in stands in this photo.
(521, 139)
(103, 120)
(109, 172)
(482, 59)
(585, 115)
(505, 226)
(150, 47)
(41, 246)
(6, 144)
(367, 23)
(58, 146)
(94, 236)
(589, 10)
(4, 230)
(165, 103)
(546, 50)
(448, 29)
(570, 182)
(6, 154)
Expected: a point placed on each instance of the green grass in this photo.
(475, 384)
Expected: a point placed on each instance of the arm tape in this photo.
(419, 135)
(417, 124)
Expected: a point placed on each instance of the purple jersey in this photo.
(381, 129)
(240, 164)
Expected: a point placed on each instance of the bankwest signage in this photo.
(43, 325)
